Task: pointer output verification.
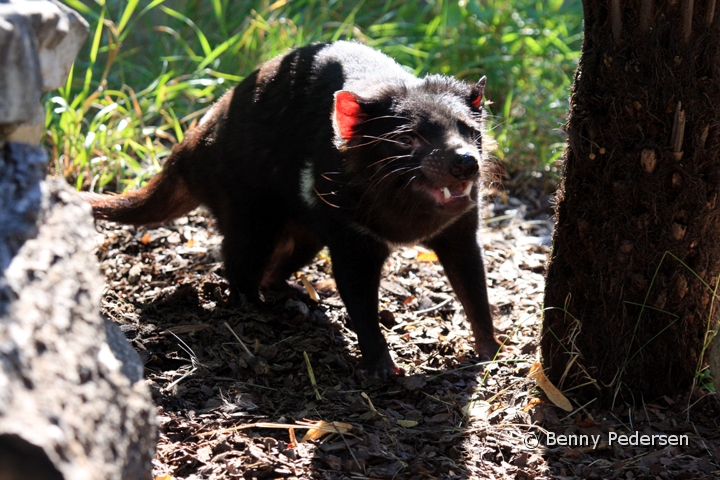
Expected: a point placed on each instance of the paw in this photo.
(240, 300)
(381, 369)
(487, 348)
(279, 292)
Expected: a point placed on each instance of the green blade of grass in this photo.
(94, 51)
(127, 13)
(219, 10)
(219, 50)
(200, 35)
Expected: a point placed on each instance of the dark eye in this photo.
(465, 130)
(405, 140)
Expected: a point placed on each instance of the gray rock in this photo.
(38, 44)
(72, 400)
(131, 365)
(20, 198)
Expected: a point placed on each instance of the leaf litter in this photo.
(232, 386)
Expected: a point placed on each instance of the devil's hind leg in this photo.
(250, 237)
(295, 248)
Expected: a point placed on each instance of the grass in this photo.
(150, 69)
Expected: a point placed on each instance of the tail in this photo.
(179, 187)
(166, 197)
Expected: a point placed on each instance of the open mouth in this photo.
(450, 193)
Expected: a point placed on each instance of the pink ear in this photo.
(477, 94)
(348, 113)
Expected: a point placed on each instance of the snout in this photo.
(464, 166)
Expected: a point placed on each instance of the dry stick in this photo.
(678, 132)
(647, 15)
(293, 438)
(247, 350)
(581, 407)
(347, 445)
(435, 307)
(710, 12)
(687, 14)
(372, 407)
(616, 17)
(311, 374)
(332, 427)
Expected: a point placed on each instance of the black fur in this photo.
(337, 145)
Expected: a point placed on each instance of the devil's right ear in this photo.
(347, 114)
(476, 95)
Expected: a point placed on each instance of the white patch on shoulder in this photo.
(307, 184)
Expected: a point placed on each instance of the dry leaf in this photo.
(407, 423)
(395, 288)
(323, 428)
(427, 257)
(552, 392)
(531, 404)
(479, 410)
(310, 289)
(204, 454)
(315, 429)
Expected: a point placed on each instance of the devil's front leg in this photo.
(460, 255)
(357, 263)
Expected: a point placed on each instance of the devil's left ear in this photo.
(476, 95)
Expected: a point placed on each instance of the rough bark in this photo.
(636, 255)
(714, 360)
(72, 401)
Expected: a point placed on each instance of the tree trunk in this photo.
(636, 254)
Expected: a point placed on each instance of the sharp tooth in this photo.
(446, 192)
(468, 188)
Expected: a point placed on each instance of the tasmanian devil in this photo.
(333, 145)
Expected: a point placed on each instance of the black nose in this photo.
(464, 166)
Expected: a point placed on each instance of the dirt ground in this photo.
(238, 389)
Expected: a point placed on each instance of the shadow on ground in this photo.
(229, 383)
